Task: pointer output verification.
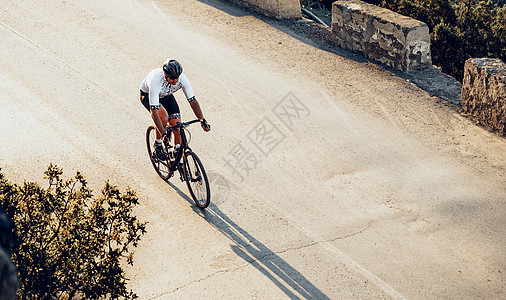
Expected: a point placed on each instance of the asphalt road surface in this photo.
(331, 177)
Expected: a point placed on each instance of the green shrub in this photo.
(459, 29)
(65, 241)
(444, 37)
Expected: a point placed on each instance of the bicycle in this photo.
(192, 171)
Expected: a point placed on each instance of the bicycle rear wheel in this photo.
(196, 179)
(162, 167)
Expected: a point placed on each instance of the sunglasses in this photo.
(167, 76)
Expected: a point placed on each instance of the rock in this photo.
(382, 35)
(484, 92)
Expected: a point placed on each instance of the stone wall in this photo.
(382, 35)
(404, 43)
(379, 34)
(280, 9)
(484, 92)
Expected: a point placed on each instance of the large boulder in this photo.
(484, 92)
(382, 35)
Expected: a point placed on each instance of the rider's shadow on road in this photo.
(288, 279)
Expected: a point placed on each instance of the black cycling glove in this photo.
(204, 124)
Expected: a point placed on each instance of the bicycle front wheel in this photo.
(196, 179)
(162, 167)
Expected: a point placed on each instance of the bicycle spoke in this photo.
(196, 180)
(161, 167)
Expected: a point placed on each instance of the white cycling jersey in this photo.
(157, 87)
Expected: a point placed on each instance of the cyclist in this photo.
(157, 91)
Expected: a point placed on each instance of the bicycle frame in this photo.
(184, 143)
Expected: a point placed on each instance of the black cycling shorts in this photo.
(168, 102)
